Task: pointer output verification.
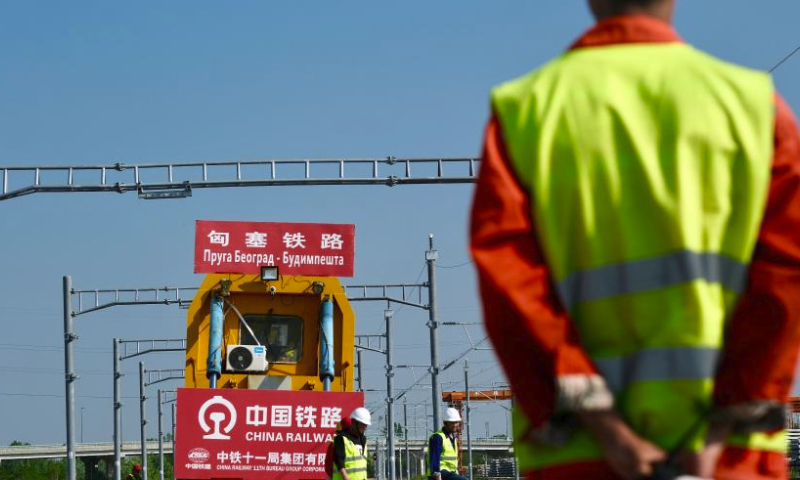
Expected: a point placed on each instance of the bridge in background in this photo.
(101, 450)
(25, 452)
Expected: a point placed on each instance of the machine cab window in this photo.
(281, 334)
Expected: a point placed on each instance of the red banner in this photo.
(295, 248)
(257, 434)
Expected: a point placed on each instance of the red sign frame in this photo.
(323, 249)
(256, 434)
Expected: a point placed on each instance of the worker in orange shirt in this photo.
(344, 425)
(136, 472)
(636, 230)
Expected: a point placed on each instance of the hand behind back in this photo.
(629, 455)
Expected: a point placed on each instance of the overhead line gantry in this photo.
(178, 180)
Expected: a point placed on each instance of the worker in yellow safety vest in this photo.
(350, 448)
(636, 231)
(443, 449)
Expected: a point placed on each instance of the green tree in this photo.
(370, 466)
(36, 469)
(152, 465)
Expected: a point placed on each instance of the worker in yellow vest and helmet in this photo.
(636, 231)
(443, 448)
(350, 448)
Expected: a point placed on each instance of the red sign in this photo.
(295, 248)
(257, 434)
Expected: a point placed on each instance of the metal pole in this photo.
(469, 435)
(378, 460)
(117, 414)
(405, 429)
(160, 440)
(433, 324)
(69, 378)
(414, 424)
(514, 457)
(400, 462)
(82, 409)
(143, 419)
(388, 314)
(360, 371)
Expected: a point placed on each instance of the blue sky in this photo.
(100, 83)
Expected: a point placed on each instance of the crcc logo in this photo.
(199, 455)
(217, 418)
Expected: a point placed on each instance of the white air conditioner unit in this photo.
(246, 358)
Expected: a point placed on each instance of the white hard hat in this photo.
(451, 415)
(362, 415)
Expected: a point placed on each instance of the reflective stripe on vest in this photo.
(449, 457)
(355, 461)
(654, 273)
(648, 168)
(678, 363)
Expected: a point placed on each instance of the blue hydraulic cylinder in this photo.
(326, 369)
(214, 367)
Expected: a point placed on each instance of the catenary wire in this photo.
(787, 57)
(455, 266)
